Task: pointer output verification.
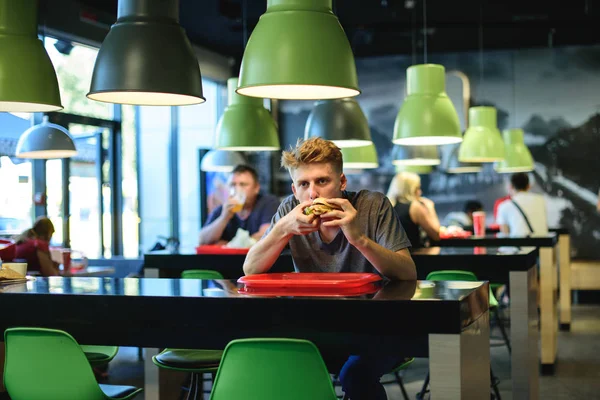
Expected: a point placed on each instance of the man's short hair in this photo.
(473, 205)
(240, 169)
(312, 151)
(519, 181)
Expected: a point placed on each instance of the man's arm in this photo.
(392, 265)
(261, 231)
(212, 232)
(263, 254)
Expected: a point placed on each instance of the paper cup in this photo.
(21, 268)
(479, 223)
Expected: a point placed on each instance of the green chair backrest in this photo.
(272, 369)
(201, 274)
(451, 275)
(44, 364)
(458, 275)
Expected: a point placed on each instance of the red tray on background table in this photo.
(311, 292)
(459, 235)
(219, 249)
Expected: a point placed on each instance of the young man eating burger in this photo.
(341, 231)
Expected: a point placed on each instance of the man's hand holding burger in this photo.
(297, 222)
(337, 213)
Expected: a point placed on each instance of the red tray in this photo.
(459, 235)
(368, 288)
(219, 249)
(308, 280)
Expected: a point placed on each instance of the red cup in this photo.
(478, 250)
(479, 223)
(66, 256)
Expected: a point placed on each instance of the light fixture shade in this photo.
(45, 141)
(146, 58)
(364, 157)
(517, 158)
(246, 125)
(416, 169)
(298, 50)
(415, 155)
(27, 78)
(482, 141)
(221, 161)
(427, 116)
(342, 121)
(451, 165)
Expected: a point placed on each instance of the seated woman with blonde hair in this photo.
(413, 210)
(33, 245)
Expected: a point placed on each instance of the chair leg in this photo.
(502, 330)
(195, 392)
(494, 381)
(421, 394)
(401, 384)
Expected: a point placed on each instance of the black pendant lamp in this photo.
(146, 58)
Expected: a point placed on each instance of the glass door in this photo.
(80, 200)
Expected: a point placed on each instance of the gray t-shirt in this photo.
(378, 219)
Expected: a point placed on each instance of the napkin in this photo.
(241, 240)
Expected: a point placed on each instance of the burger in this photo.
(321, 206)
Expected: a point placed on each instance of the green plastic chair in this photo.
(458, 275)
(44, 364)
(99, 355)
(272, 369)
(195, 362)
(201, 274)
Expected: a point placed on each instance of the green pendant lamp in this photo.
(364, 157)
(146, 58)
(427, 116)
(221, 161)
(518, 158)
(415, 169)
(451, 165)
(415, 155)
(342, 121)
(482, 141)
(27, 78)
(298, 51)
(246, 125)
(45, 141)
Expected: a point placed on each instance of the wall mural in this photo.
(552, 94)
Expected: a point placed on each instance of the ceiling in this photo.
(391, 27)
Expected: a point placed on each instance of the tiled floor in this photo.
(577, 373)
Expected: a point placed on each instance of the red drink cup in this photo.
(66, 255)
(479, 223)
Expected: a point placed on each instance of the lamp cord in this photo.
(481, 46)
(425, 31)
(414, 36)
(244, 23)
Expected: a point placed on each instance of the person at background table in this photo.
(525, 212)
(254, 216)
(464, 219)
(365, 236)
(414, 210)
(33, 245)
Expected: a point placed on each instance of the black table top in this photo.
(170, 265)
(190, 313)
(549, 240)
(487, 263)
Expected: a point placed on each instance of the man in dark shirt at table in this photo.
(366, 236)
(255, 216)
